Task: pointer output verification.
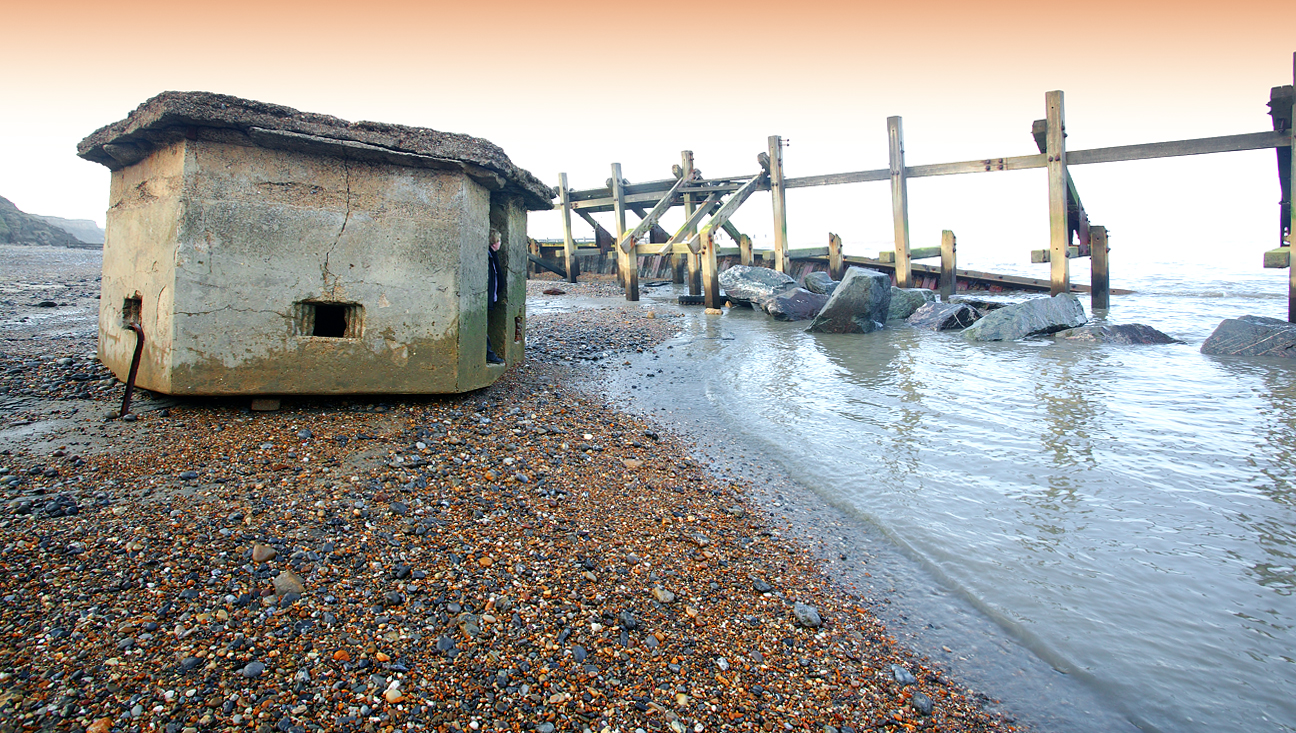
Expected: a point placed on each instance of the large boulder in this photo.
(1252, 336)
(820, 282)
(1126, 333)
(904, 301)
(795, 305)
(859, 304)
(744, 284)
(944, 316)
(1035, 317)
(981, 304)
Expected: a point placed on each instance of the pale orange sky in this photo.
(575, 86)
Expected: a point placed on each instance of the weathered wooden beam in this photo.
(721, 215)
(778, 193)
(654, 250)
(1177, 148)
(1039, 256)
(949, 268)
(837, 179)
(1099, 277)
(1077, 219)
(836, 268)
(690, 224)
(745, 251)
(1281, 101)
(607, 203)
(1277, 258)
(710, 269)
(917, 253)
(569, 245)
(603, 239)
(977, 276)
(597, 200)
(732, 231)
(657, 235)
(986, 165)
(806, 253)
(1146, 151)
(1291, 205)
(1059, 234)
(627, 262)
(687, 170)
(648, 188)
(651, 219)
(553, 267)
(899, 201)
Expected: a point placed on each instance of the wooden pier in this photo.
(710, 202)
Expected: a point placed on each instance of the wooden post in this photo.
(569, 246)
(836, 265)
(949, 267)
(710, 270)
(1059, 232)
(1099, 283)
(779, 193)
(694, 266)
(899, 202)
(745, 250)
(1291, 207)
(533, 247)
(628, 261)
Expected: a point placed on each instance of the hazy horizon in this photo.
(576, 87)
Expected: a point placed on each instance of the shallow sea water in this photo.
(1123, 513)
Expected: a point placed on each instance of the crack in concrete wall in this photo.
(346, 218)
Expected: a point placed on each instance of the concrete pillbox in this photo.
(268, 251)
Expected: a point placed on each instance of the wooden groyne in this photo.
(548, 255)
(709, 203)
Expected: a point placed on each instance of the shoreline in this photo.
(373, 563)
(924, 610)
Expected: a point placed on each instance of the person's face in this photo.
(495, 245)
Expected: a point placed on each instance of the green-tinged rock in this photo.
(904, 301)
(859, 304)
(820, 282)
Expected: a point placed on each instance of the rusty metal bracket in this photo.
(135, 361)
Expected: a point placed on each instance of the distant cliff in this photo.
(83, 229)
(18, 227)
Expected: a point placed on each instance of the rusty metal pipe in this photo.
(130, 378)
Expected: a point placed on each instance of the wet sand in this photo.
(523, 557)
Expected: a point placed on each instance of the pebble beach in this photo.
(524, 557)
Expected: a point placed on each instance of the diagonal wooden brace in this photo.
(698, 213)
(657, 235)
(730, 207)
(627, 242)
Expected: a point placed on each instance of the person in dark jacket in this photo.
(494, 284)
